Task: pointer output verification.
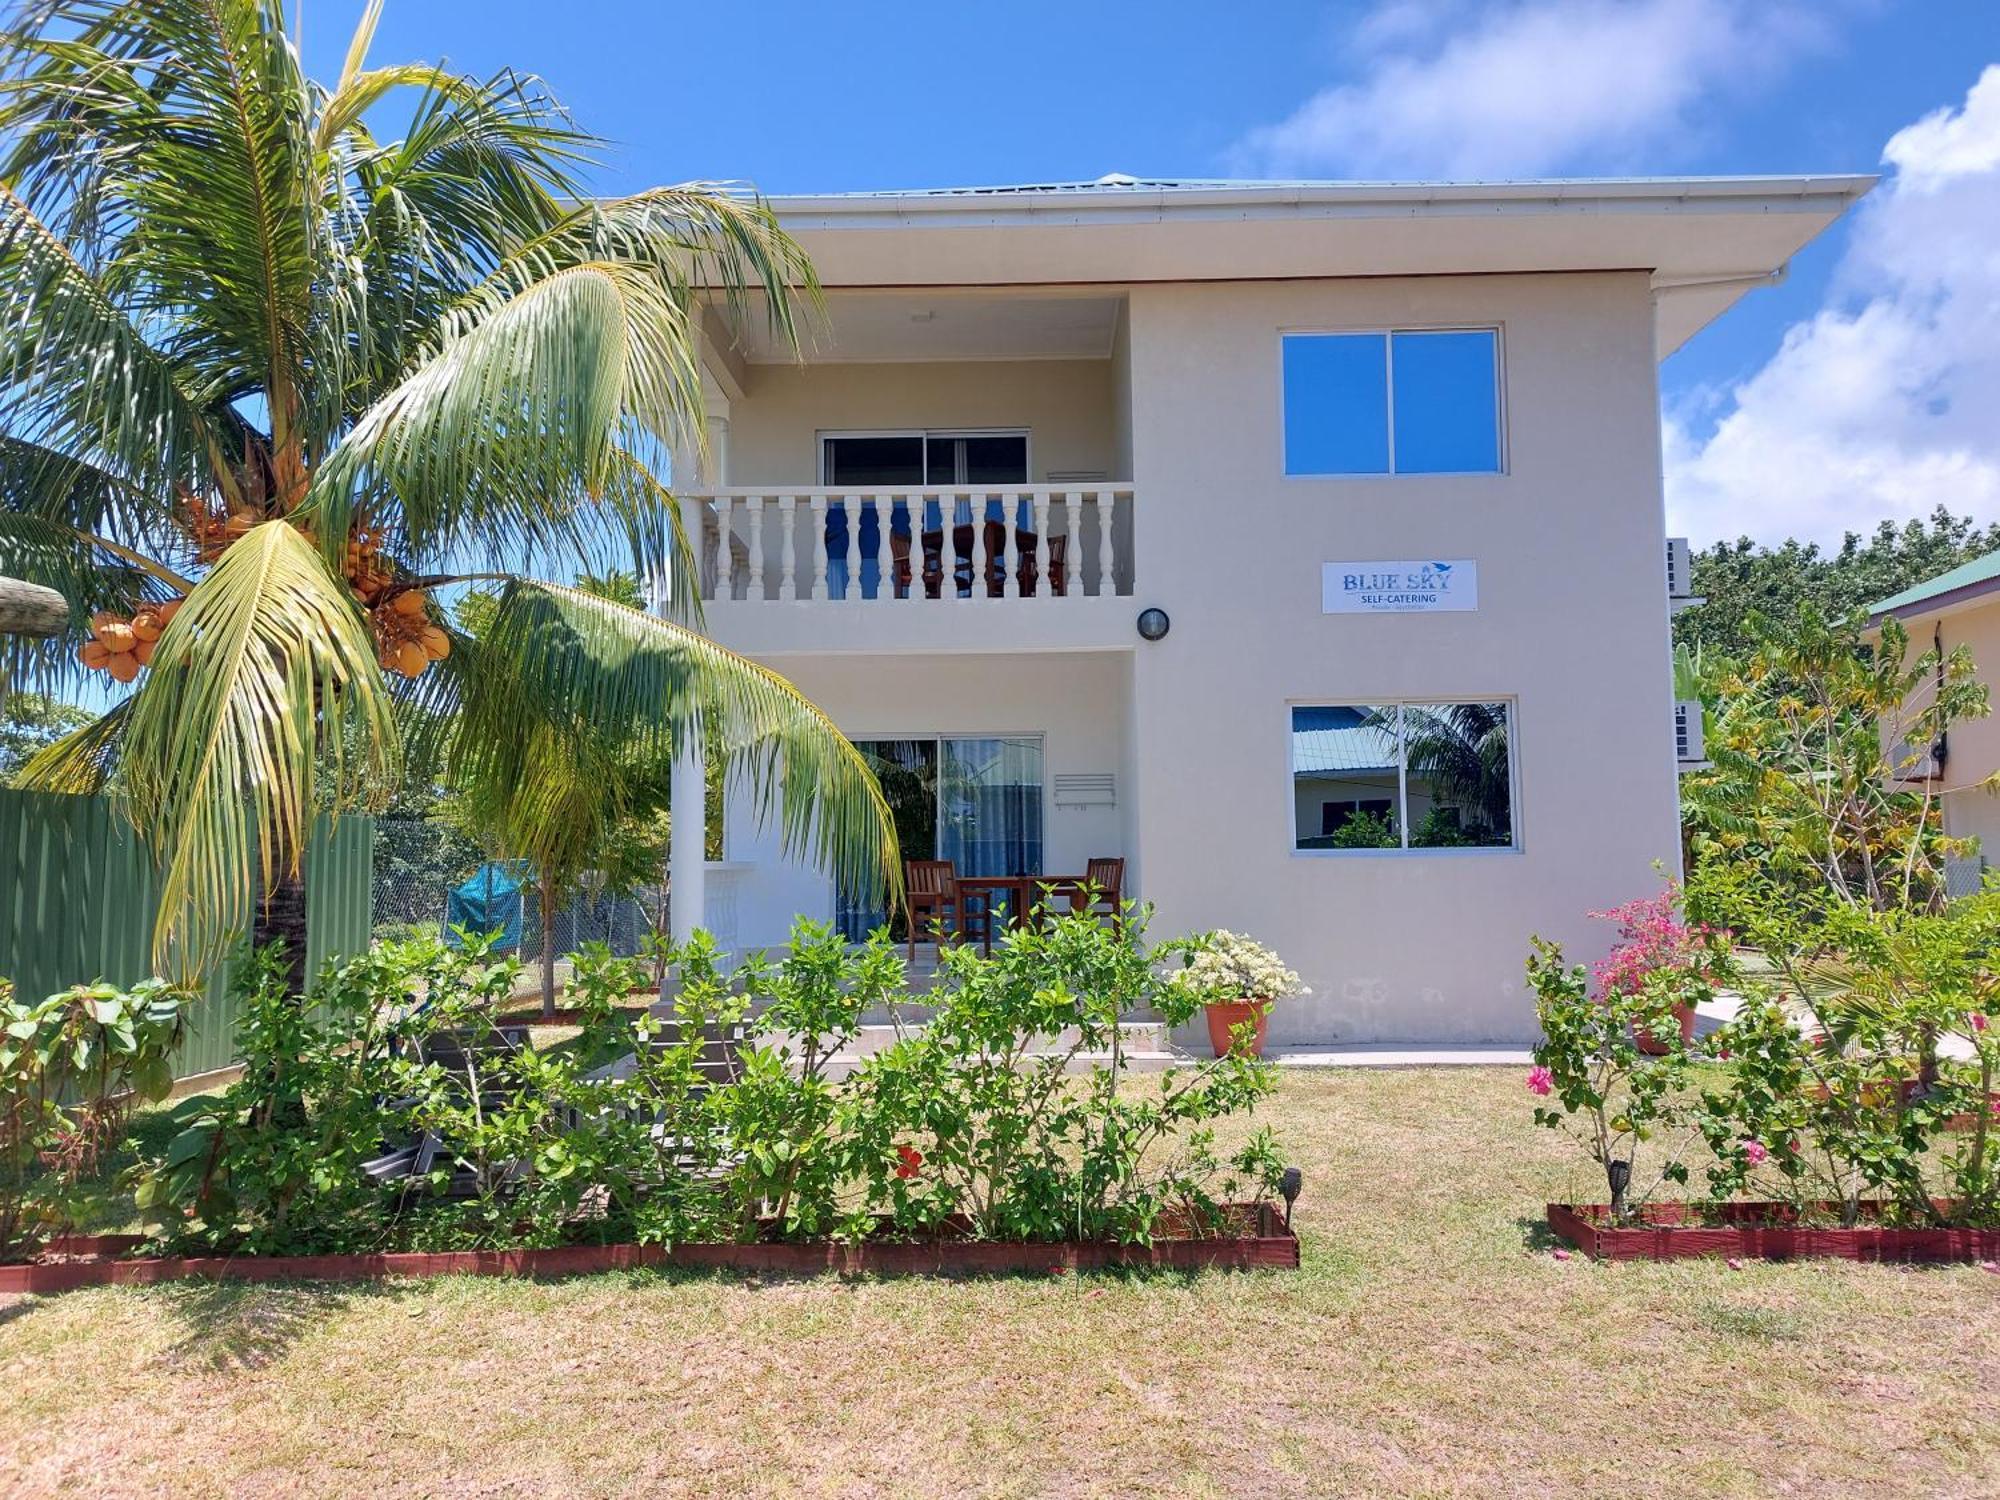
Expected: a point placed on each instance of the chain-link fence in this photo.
(419, 863)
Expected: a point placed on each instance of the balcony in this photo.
(973, 567)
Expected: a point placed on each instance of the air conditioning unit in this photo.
(1680, 568)
(1687, 732)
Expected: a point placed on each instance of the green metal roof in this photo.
(1966, 575)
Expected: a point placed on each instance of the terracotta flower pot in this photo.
(1653, 1047)
(1225, 1016)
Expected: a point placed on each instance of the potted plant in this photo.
(1657, 950)
(1238, 978)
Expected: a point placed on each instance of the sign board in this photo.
(1399, 588)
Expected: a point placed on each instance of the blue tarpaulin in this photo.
(489, 902)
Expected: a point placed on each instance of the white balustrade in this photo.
(1077, 544)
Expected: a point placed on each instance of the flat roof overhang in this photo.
(1704, 241)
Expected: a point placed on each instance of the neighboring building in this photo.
(1958, 608)
(1387, 459)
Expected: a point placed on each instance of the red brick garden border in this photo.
(95, 1260)
(1760, 1231)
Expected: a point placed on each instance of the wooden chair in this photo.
(1104, 880)
(930, 888)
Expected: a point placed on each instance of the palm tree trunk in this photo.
(281, 918)
(548, 951)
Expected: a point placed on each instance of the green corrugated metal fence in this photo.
(78, 894)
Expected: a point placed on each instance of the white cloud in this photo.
(1464, 89)
(1886, 403)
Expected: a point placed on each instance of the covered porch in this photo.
(1005, 764)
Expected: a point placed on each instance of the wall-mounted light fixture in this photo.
(1153, 624)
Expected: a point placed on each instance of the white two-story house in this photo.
(1300, 544)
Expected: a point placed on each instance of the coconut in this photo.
(410, 602)
(143, 652)
(93, 655)
(146, 625)
(410, 659)
(165, 612)
(124, 666)
(436, 644)
(117, 638)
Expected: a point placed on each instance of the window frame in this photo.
(1387, 333)
(1517, 844)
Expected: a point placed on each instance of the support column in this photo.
(687, 837)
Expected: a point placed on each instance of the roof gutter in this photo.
(1778, 194)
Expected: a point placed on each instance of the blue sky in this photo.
(799, 97)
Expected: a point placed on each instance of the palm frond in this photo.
(502, 438)
(78, 379)
(615, 681)
(83, 762)
(265, 671)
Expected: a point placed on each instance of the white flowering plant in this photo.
(1225, 966)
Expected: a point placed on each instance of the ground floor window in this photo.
(974, 800)
(1421, 775)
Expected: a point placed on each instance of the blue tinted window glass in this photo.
(1336, 404)
(1447, 403)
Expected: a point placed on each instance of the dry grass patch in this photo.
(1430, 1346)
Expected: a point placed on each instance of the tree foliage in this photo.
(274, 352)
(1741, 578)
(1818, 745)
(29, 722)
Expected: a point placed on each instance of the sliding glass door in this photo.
(974, 801)
(990, 806)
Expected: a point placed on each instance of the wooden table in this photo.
(1020, 892)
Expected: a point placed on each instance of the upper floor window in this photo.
(1416, 401)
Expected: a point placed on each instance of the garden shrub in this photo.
(1832, 1090)
(961, 1121)
(727, 1115)
(71, 1066)
(1623, 1106)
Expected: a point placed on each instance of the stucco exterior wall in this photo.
(1066, 404)
(1077, 701)
(1571, 626)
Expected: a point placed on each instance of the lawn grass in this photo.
(1430, 1346)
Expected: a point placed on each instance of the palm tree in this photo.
(270, 379)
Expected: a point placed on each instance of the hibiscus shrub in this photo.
(1857, 1074)
(737, 1109)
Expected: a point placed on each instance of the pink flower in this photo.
(1733, 1263)
(1541, 1081)
(1978, 1021)
(1560, 1254)
(1754, 1153)
(1793, 1145)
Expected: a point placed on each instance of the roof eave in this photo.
(858, 210)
